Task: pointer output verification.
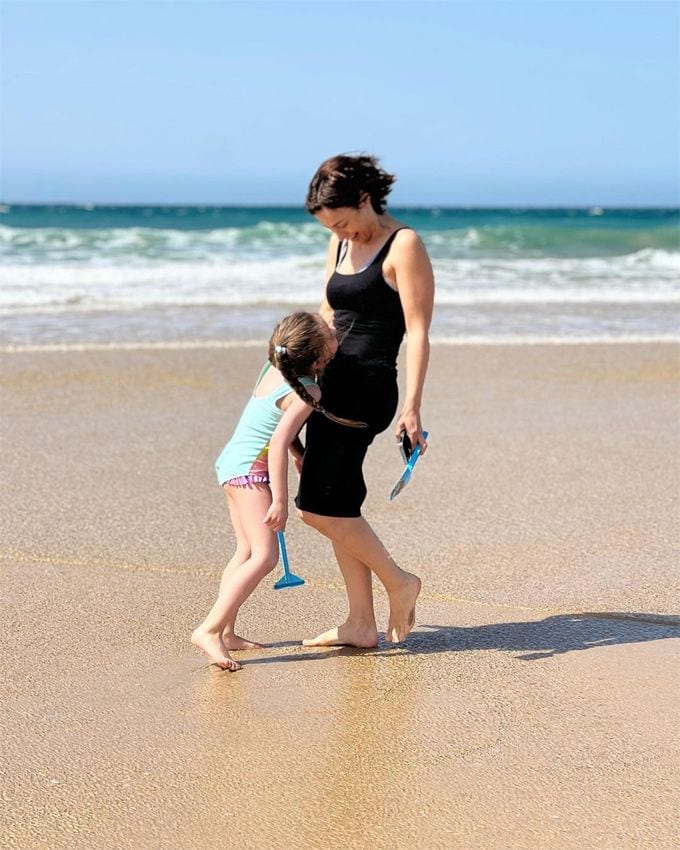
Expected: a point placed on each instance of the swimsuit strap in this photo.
(285, 388)
(342, 250)
(263, 372)
(382, 253)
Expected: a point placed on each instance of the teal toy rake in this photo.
(405, 476)
(288, 579)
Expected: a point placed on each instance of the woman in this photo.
(379, 284)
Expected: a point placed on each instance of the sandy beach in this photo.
(534, 706)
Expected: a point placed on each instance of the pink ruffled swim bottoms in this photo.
(247, 480)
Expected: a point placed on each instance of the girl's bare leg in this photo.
(229, 637)
(250, 504)
(356, 539)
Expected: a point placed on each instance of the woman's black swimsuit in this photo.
(359, 383)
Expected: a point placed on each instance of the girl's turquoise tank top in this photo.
(247, 450)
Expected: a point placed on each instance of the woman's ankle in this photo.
(361, 622)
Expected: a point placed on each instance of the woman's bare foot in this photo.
(214, 648)
(403, 609)
(347, 634)
(232, 641)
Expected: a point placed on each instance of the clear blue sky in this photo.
(212, 101)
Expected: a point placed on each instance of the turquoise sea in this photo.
(143, 274)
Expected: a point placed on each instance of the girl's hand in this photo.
(409, 421)
(276, 516)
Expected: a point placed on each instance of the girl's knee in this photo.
(271, 562)
(266, 561)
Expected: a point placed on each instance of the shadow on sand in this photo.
(556, 635)
(533, 639)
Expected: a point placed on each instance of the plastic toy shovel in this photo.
(288, 579)
(405, 476)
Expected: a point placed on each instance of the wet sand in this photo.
(535, 704)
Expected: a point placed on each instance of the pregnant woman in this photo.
(379, 285)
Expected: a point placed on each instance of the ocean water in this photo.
(83, 275)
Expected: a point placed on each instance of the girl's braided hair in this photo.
(341, 181)
(297, 343)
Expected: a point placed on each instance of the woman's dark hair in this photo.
(297, 343)
(342, 181)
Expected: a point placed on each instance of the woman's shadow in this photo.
(533, 639)
(555, 635)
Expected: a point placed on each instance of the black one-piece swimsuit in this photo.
(359, 383)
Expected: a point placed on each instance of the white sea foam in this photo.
(132, 244)
(188, 345)
(648, 276)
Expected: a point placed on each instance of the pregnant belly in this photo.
(356, 391)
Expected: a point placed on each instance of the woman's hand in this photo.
(297, 452)
(276, 516)
(409, 421)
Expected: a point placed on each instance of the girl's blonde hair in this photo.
(297, 343)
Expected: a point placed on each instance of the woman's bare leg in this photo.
(359, 628)
(356, 538)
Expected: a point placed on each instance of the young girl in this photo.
(284, 396)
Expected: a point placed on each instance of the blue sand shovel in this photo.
(405, 476)
(288, 579)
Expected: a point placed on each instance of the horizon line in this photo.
(90, 205)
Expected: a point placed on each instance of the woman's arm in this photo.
(294, 417)
(412, 272)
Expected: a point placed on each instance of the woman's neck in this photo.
(376, 230)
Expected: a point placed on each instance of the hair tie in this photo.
(280, 349)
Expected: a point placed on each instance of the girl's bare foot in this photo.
(347, 634)
(214, 648)
(232, 641)
(403, 609)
